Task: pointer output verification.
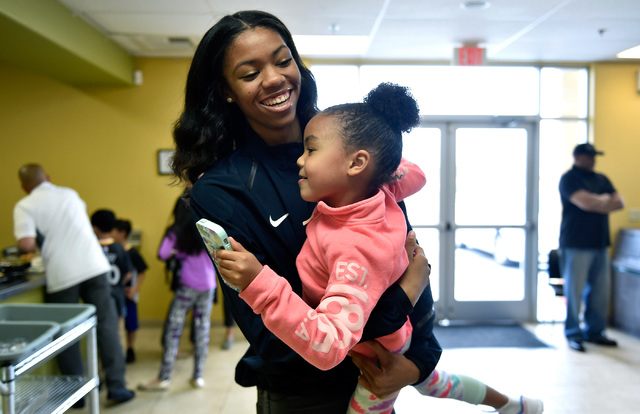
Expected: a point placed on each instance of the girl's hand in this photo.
(238, 267)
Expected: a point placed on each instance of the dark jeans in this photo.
(97, 292)
(275, 403)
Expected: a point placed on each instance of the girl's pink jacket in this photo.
(351, 255)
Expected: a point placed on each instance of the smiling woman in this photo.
(264, 85)
(248, 99)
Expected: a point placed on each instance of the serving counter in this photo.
(27, 283)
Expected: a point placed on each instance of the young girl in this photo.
(197, 284)
(352, 167)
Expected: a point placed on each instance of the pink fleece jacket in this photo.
(351, 255)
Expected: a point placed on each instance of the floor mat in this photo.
(486, 336)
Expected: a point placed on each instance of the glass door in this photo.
(475, 217)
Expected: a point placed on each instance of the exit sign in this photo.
(469, 56)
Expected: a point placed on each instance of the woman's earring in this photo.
(229, 100)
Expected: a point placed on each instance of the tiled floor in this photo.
(602, 380)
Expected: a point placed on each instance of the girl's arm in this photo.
(324, 334)
(167, 247)
(407, 180)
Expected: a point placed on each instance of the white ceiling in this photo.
(422, 30)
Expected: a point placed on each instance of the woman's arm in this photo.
(395, 371)
(397, 302)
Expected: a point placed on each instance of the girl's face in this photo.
(325, 163)
(264, 81)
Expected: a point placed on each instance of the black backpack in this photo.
(172, 271)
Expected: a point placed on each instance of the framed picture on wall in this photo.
(164, 158)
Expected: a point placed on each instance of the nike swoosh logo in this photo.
(276, 223)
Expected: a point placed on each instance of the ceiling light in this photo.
(633, 53)
(475, 5)
(334, 45)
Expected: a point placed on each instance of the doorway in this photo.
(476, 217)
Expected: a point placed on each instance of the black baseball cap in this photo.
(586, 149)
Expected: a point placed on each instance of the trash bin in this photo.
(625, 310)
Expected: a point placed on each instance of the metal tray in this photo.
(67, 315)
(20, 339)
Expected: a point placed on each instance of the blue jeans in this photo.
(586, 280)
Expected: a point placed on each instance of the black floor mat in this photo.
(487, 336)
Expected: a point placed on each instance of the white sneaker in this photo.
(524, 405)
(197, 382)
(531, 405)
(227, 344)
(154, 385)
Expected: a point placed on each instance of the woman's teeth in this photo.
(280, 99)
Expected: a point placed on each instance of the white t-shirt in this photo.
(71, 252)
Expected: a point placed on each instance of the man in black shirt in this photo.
(587, 199)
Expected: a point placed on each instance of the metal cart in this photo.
(51, 394)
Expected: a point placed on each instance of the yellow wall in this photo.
(616, 131)
(102, 142)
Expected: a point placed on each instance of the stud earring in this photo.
(229, 100)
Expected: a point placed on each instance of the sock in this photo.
(512, 407)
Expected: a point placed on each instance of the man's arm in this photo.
(27, 244)
(597, 203)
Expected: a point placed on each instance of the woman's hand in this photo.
(390, 375)
(238, 267)
(415, 278)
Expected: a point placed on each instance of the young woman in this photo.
(248, 99)
(352, 168)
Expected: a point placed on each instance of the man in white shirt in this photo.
(75, 268)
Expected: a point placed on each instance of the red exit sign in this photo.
(469, 56)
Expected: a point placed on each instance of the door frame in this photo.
(447, 308)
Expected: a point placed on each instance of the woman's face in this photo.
(264, 81)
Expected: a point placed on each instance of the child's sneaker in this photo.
(197, 382)
(131, 356)
(154, 385)
(525, 405)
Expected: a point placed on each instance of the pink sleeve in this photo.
(409, 179)
(323, 336)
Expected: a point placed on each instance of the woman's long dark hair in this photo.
(184, 227)
(209, 127)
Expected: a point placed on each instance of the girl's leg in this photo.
(441, 384)
(228, 323)
(182, 301)
(363, 401)
(202, 324)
